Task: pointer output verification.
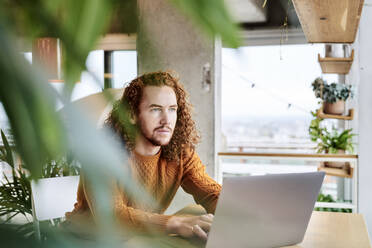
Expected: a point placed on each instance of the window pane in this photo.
(266, 102)
(125, 67)
(267, 96)
(124, 70)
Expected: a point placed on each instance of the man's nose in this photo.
(164, 118)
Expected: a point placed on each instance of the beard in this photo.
(150, 137)
(155, 142)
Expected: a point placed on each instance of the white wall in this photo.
(362, 75)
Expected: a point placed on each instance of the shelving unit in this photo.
(336, 65)
(335, 205)
(347, 171)
(113, 42)
(333, 21)
(351, 159)
(348, 117)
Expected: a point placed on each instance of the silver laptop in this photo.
(264, 211)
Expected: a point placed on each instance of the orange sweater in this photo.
(161, 179)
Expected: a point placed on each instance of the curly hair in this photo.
(185, 134)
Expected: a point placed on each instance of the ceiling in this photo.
(251, 14)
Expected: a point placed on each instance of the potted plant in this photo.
(331, 142)
(333, 95)
(15, 190)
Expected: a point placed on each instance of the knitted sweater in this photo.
(161, 179)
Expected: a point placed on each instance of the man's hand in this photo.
(192, 226)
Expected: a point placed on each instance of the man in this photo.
(160, 137)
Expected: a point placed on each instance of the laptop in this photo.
(264, 211)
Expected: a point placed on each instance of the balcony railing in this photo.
(245, 157)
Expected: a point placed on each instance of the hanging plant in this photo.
(333, 95)
(333, 92)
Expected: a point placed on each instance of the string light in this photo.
(273, 95)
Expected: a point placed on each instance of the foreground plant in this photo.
(41, 134)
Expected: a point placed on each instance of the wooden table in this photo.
(325, 230)
(335, 230)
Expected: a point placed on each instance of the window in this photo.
(267, 101)
(267, 97)
(124, 70)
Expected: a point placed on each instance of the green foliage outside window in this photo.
(329, 198)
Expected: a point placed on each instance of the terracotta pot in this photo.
(338, 165)
(337, 108)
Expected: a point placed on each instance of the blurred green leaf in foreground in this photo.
(40, 133)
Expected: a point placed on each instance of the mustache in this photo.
(163, 127)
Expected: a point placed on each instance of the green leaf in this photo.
(29, 103)
(331, 92)
(9, 154)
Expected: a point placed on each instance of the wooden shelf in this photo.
(334, 21)
(322, 115)
(114, 42)
(336, 65)
(322, 156)
(346, 172)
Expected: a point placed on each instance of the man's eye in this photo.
(155, 109)
(173, 109)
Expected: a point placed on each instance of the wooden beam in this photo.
(332, 21)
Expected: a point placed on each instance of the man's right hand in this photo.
(193, 226)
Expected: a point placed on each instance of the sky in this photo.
(282, 76)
